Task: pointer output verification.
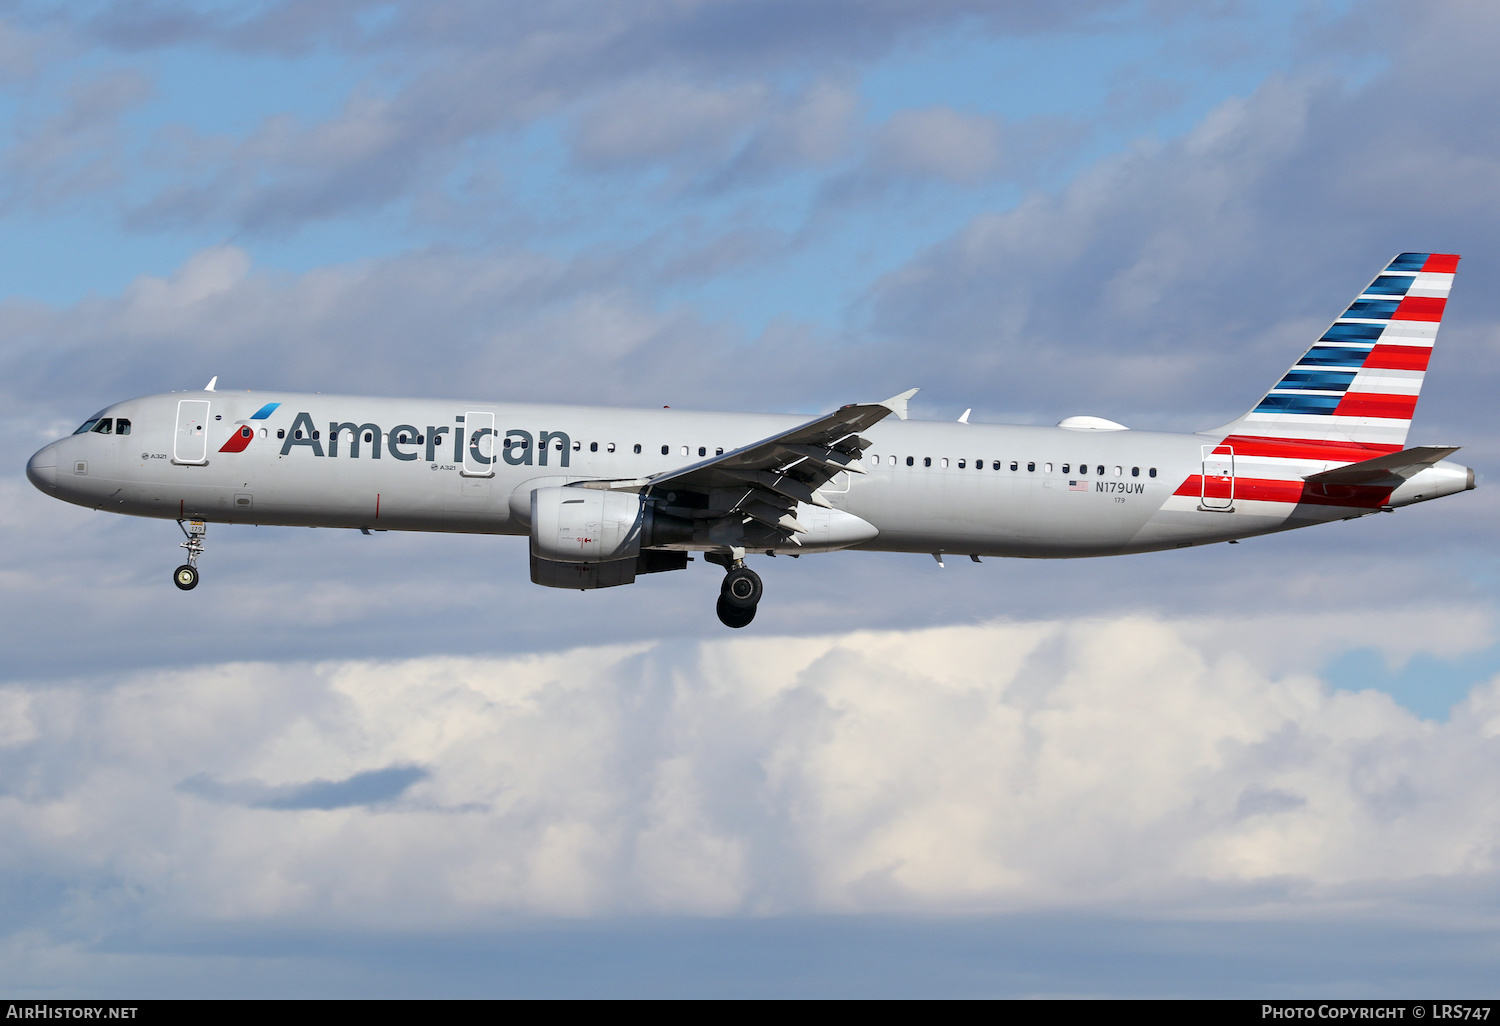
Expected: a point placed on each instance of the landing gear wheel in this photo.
(741, 589)
(185, 577)
(734, 616)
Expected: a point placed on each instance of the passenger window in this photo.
(1119, 471)
(85, 427)
(665, 449)
(926, 461)
(298, 434)
(1065, 467)
(962, 464)
(997, 464)
(1083, 468)
(611, 447)
(122, 426)
(1152, 472)
(911, 460)
(103, 427)
(1014, 465)
(637, 447)
(719, 451)
(1100, 470)
(1031, 468)
(593, 447)
(1135, 471)
(1047, 467)
(684, 450)
(579, 445)
(945, 463)
(702, 450)
(369, 437)
(317, 434)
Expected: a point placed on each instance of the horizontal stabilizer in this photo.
(1404, 464)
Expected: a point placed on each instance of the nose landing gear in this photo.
(186, 576)
(739, 594)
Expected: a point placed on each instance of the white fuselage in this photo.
(930, 486)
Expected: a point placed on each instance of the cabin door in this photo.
(190, 446)
(481, 448)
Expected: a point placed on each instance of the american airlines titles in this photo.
(518, 447)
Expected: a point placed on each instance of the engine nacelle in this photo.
(585, 525)
(589, 538)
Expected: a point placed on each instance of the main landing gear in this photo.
(186, 576)
(740, 593)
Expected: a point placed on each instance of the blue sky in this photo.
(1137, 210)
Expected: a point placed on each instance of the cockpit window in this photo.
(104, 426)
(122, 426)
(88, 425)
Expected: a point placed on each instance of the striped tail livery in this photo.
(1331, 432)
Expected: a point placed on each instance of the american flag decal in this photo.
(1078, 486)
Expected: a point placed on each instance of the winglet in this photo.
(211, 383)
(965, 418)
(897, 403)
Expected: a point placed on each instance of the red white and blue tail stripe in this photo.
(1354, 391)
(1349, 399)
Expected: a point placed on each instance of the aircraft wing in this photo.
(1392, 466)
(765, 480)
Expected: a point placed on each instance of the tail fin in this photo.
(1357, 386)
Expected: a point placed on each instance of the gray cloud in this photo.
(588, 39)
(368, 788)
(943, 143)
(22, 52)
(74, 151)
(688, 85)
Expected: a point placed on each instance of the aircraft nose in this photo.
(41, 469)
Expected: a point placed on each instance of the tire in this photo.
(742, 588)
(733, 616)
(185, 577)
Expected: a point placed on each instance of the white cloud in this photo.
(1001, 767)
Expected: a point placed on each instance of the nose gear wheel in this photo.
(186, 576)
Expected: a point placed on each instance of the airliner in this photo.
(606, 495)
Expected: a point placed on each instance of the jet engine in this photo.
(589, 538)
